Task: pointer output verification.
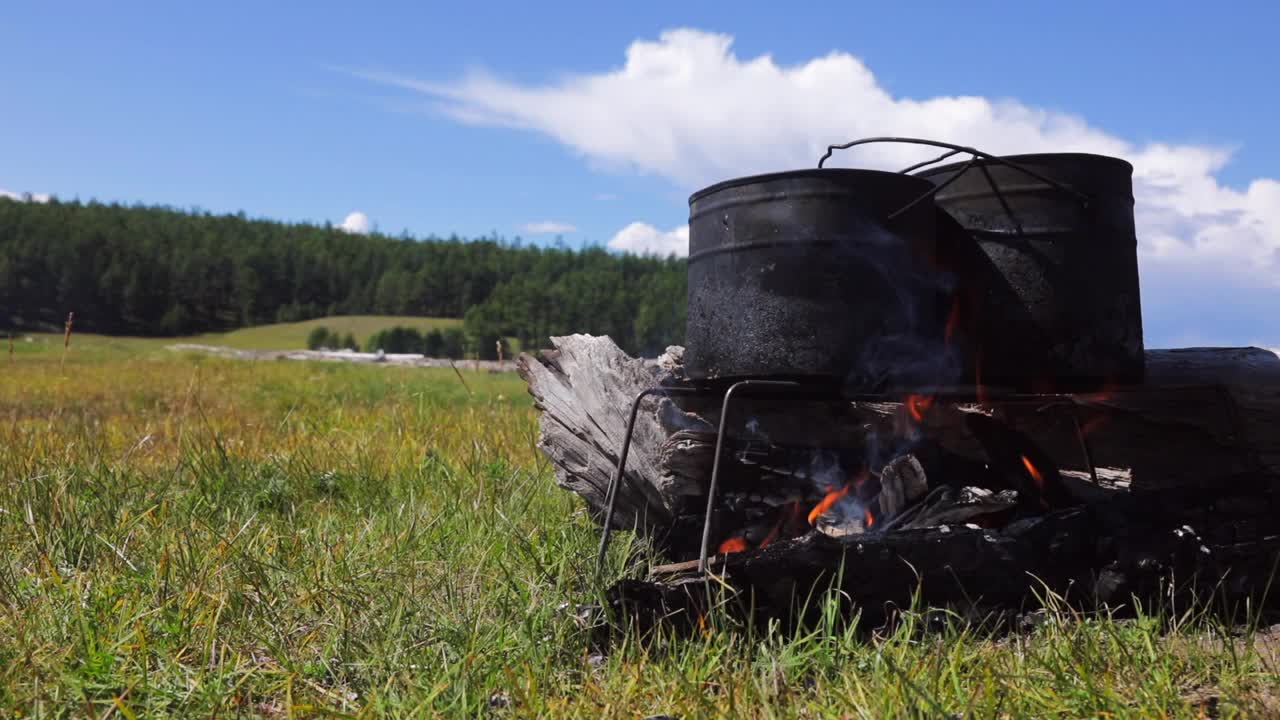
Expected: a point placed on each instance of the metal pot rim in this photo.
(836, 174)
(1026, 159)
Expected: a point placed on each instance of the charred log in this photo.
(1075, 555)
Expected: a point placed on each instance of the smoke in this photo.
(909, 352)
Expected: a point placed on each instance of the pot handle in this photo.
(952, 149)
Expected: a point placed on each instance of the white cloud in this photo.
(356, 222)
(546, 227)
(25, 197)
(645, 239)
(687, 108)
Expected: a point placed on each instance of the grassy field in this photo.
(196, 537)
(293, 336)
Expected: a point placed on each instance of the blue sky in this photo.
(487, 118)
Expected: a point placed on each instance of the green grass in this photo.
(188, 536)
(293, 336)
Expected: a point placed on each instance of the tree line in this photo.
(153, 270)
(452, 342)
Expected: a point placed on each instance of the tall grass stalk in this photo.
(66, 337)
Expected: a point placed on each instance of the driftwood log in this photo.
(1185, 479)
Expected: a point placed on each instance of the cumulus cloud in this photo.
(356, 222)
(644, 239)
(547, 227)
(687, 108)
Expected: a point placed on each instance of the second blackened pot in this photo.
(802, 274)
(1050, 287)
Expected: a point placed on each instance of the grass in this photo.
(195, 537)
(293, 336)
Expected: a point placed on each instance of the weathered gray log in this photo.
(584, 389)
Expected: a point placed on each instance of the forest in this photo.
(153, 270)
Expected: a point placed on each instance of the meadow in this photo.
(293, 336)
(188, 536)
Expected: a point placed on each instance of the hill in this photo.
(292, 336)
(158, 271)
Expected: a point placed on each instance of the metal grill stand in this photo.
(809, 391)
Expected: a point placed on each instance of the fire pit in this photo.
(830, 420)
(832, 285)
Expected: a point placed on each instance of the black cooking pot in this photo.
(1045, 253)
(821, 275)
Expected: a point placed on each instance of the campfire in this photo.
(896, 478)
(926, 383)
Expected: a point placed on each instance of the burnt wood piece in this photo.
(1027, 467)
(950, 564)
(1076, 554)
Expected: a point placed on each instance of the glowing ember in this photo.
(918, 405)
(737, 543)
(826, 503)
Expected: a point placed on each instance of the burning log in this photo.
(973, 570)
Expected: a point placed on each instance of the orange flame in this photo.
(1036, 475)
(867, 518)
(918, 405)
(826, 502)
(1031, 468)
(737, 543)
